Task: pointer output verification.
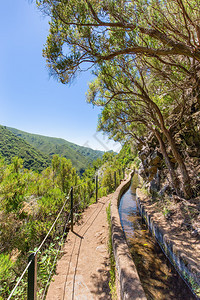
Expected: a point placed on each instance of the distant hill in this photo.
(80, 156)
(12, 145)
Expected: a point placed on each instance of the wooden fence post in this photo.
(72, 209)
(96, 188)
(32, 277)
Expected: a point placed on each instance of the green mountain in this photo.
(80, 156)
(12, 145)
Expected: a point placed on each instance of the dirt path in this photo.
(83, 270)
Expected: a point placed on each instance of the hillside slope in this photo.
(80, 156)
(12, 145)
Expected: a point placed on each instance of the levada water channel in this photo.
(159, 278)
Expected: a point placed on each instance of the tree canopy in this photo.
(95, 31)
(146, 57)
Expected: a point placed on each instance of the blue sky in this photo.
(29, 99)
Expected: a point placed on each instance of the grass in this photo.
(112, 282)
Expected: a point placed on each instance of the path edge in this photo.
(129, 282)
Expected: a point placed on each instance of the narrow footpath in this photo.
(83, 270)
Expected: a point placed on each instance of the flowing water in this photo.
(159, 278)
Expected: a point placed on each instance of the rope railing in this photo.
(44, 240)
(76, 203)
(19, 280)
(33, 256)
(83, 183)
(55, 259)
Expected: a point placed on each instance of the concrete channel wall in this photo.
(188, 272)
(130, 285)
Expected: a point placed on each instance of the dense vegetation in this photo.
(11, 146)
(30, 202)
(146, 58)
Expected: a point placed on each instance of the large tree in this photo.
(96, 30)
(163, 36)
(132, 107)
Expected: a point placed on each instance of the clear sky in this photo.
(29, 99)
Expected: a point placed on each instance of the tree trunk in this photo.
(184, 173)
(153, 107)
(173, 177)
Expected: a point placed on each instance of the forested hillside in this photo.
(81, 157)
(12, 145)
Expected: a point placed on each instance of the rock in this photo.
(151, 177)
(145, 163)
(143, 172)
(141, 169)
(152, 172)
(165, 189)
(144, 154)
(194, 233)
(156, 158)
(158, 179)
(153, 187)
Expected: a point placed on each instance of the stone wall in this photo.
(188, 271)
(130, 285)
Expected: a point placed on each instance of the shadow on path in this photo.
(100, 282)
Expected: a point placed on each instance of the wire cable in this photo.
(78, 185)
(44, 240)
(67, 198)
(13, 290)
(55, 258)
(19, 280)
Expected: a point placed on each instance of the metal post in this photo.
(32, 277)
(123, 173)
(115, 179)
(119, 174)
(96, 188)
(72, 209)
